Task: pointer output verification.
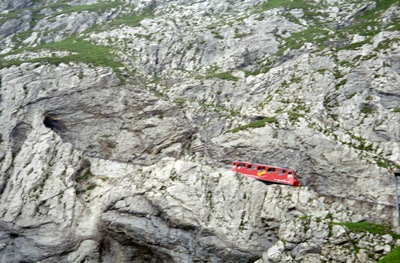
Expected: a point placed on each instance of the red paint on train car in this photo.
(267, 173)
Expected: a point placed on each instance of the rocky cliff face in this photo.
(119, 120)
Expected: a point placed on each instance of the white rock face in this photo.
(127, 158)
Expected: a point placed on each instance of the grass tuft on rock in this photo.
(254, 124)
(377, 229)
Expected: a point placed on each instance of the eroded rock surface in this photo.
(124, 155)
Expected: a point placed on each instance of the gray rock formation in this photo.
(119, 121)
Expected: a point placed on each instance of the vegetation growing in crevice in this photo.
(216, 107)
(314, 34)
(287, 4)
(84, 180)
(96, 7)
(132, 20)
(254, 124)
(295, 116)
(256, 72)
(220, 75)
(86, 175)
(377, 229)
(321, 36)
(367, 109)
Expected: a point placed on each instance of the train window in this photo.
(249, 166)
(271, 170)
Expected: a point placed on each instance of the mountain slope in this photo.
(119, 120)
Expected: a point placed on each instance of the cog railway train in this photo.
(266, 173)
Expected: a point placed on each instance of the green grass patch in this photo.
(351, 95)
(217, 34)
(382, 164)
(377, 229)
(385, 44)
(305, 217)
(220, 75)
(367, 24)
(83, 52)
(396, 110)
(314, 34)
(381, 6)
(301, 107)
(356, 45)
(294, 116)
(132, 20)
(224, 76)
(395, 26)
(392, 257)
(288, 4)
(97, 7)
(8, 16)
(254, 124)
(238, 34)
(256, 72)
(386, 164)
(367, 110)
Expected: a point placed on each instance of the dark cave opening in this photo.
(53, 122)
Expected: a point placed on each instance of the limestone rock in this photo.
(124, 156)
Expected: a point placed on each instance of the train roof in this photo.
(258, 164)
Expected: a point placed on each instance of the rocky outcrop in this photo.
(74, 108)
(9, 5)
(312, 239)
(119, 121)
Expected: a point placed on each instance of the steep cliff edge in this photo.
(119, 120)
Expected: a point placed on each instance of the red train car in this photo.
(267, 173)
